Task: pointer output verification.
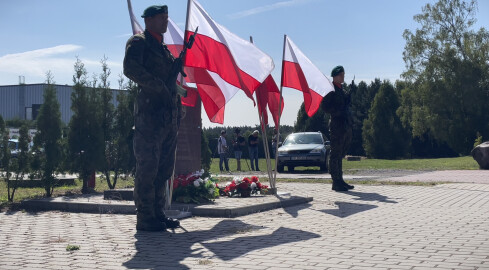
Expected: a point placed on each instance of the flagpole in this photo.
(264, 137)
(169, 189)
(279, 114)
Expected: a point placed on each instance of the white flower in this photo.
(253, 185)
(200, 180)
(206, 179)
(238, 181)
(197, 183)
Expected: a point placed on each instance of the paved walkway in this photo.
(373, 227)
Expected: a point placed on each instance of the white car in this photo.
(304, 149)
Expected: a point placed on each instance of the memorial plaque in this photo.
(189, 136)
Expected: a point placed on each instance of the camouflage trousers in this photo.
(155, 140)
(341, 136)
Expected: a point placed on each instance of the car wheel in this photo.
(290, 168)
(280, 168)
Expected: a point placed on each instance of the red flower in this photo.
(246, 180)
(243, 185)
(232, 186)
(254, 179)
(259, 185)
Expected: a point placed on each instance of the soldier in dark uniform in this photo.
(337, 104)
(149, 63)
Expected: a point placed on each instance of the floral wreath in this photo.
(243, 187)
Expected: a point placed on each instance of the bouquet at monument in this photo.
(244, 187)
(192, 188)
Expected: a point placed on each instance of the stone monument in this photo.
(481, 154)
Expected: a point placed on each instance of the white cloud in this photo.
(266, 8)
(34, 64)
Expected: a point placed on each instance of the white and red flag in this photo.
(136, 27)
(268, 94)
(222, 62)
(300, 73)
(173, 38)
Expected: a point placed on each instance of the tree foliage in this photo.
(448, 68)
(362, 97)
(383, 134)
(20, 163)
(318, 122)
(85, 138)
(47, 141)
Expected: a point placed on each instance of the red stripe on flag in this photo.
(293, 77)
(268, 94)
(214, 56)
(210, 94)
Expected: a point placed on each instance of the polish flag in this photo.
(231, 63)
(173, 38)
(268, 94)
(207, 86)
(136, 27)
(300, 73)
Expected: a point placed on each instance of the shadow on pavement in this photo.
(294, 210)
(346, 209)
(165, 250)
(370, 197)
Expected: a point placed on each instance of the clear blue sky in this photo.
(365, 36)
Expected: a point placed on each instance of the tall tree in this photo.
(318, 122)
(361, 101)
(448, 65)
(3, 130)
(47, 140)
(121, 156)
(85, 138)
(21, 162)
(383, 133)
(107, 115)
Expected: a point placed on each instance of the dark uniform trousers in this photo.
(155, 140)
(341, 135)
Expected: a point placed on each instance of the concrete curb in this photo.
(241, 208)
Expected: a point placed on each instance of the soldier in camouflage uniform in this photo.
(149, 63)
(337, 104)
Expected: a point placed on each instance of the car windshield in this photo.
(303, 139)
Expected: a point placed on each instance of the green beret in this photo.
(154, 10)
(337, 70)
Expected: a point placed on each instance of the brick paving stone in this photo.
(372, 227)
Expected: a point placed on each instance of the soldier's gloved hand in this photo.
(177, 66)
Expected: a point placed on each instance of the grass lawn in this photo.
(459, 163)
(350, 167)
(32, 193)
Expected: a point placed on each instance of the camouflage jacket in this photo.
(149, 64)
(337, 103)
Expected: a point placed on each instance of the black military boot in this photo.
(336, 176)
(149, 223)
(339, 187)
(348, 186)
(170, 223)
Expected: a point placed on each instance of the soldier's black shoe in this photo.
(170, 223)
(150, 224)
(339, 187)
(348, 186)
